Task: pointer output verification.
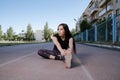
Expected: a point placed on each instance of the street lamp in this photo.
(77, 24)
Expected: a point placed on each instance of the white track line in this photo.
(87, 73)
(84, 69)
(14, 60)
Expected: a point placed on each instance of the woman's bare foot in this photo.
(52, 57)
(68, 58)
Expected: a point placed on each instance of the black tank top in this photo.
(64, 43)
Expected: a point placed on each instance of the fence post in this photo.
(114, 28)
(86, 35)
(95, 36)
(81, 36)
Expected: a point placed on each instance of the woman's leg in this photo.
(50, 54)
(43, 53)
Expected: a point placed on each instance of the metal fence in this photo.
(91, 33)
(118, 27)
(102, 32)
(101, 28)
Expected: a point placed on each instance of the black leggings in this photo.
(46, 54)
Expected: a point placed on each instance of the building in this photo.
(102, 10)
(117, 12)
(39, 35)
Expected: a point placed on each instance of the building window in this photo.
(110, 15)
(118, 24)
(117, 12)
(117, 1)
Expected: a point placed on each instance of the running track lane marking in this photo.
(84, 69)
(14, 60)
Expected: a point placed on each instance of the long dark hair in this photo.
(68, 34)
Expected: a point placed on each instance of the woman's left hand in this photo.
(69, 50)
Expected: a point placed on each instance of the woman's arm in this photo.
(55, 41)
(70, 45)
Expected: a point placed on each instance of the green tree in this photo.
(50, 31)
(84, 25)
(0, 32)
(47, 32)
(15, 37)
(10, 33)
(73, 31)
(5, 36)
(29, 33)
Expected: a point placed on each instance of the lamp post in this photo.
(75, 24)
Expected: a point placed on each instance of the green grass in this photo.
(16, 43)
(12, 44)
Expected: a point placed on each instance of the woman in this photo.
(64, 46)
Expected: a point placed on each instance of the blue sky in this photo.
(20, 13)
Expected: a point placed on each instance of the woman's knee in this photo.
(43, 53)
(40, 52)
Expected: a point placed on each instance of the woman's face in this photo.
(61, 31)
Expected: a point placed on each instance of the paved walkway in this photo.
(21, 62)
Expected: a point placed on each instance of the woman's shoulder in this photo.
(69, 37)
(56, 35)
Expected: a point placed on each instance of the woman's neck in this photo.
(63, 38)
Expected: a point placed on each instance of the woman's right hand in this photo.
(51, 36)
(63, 52)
